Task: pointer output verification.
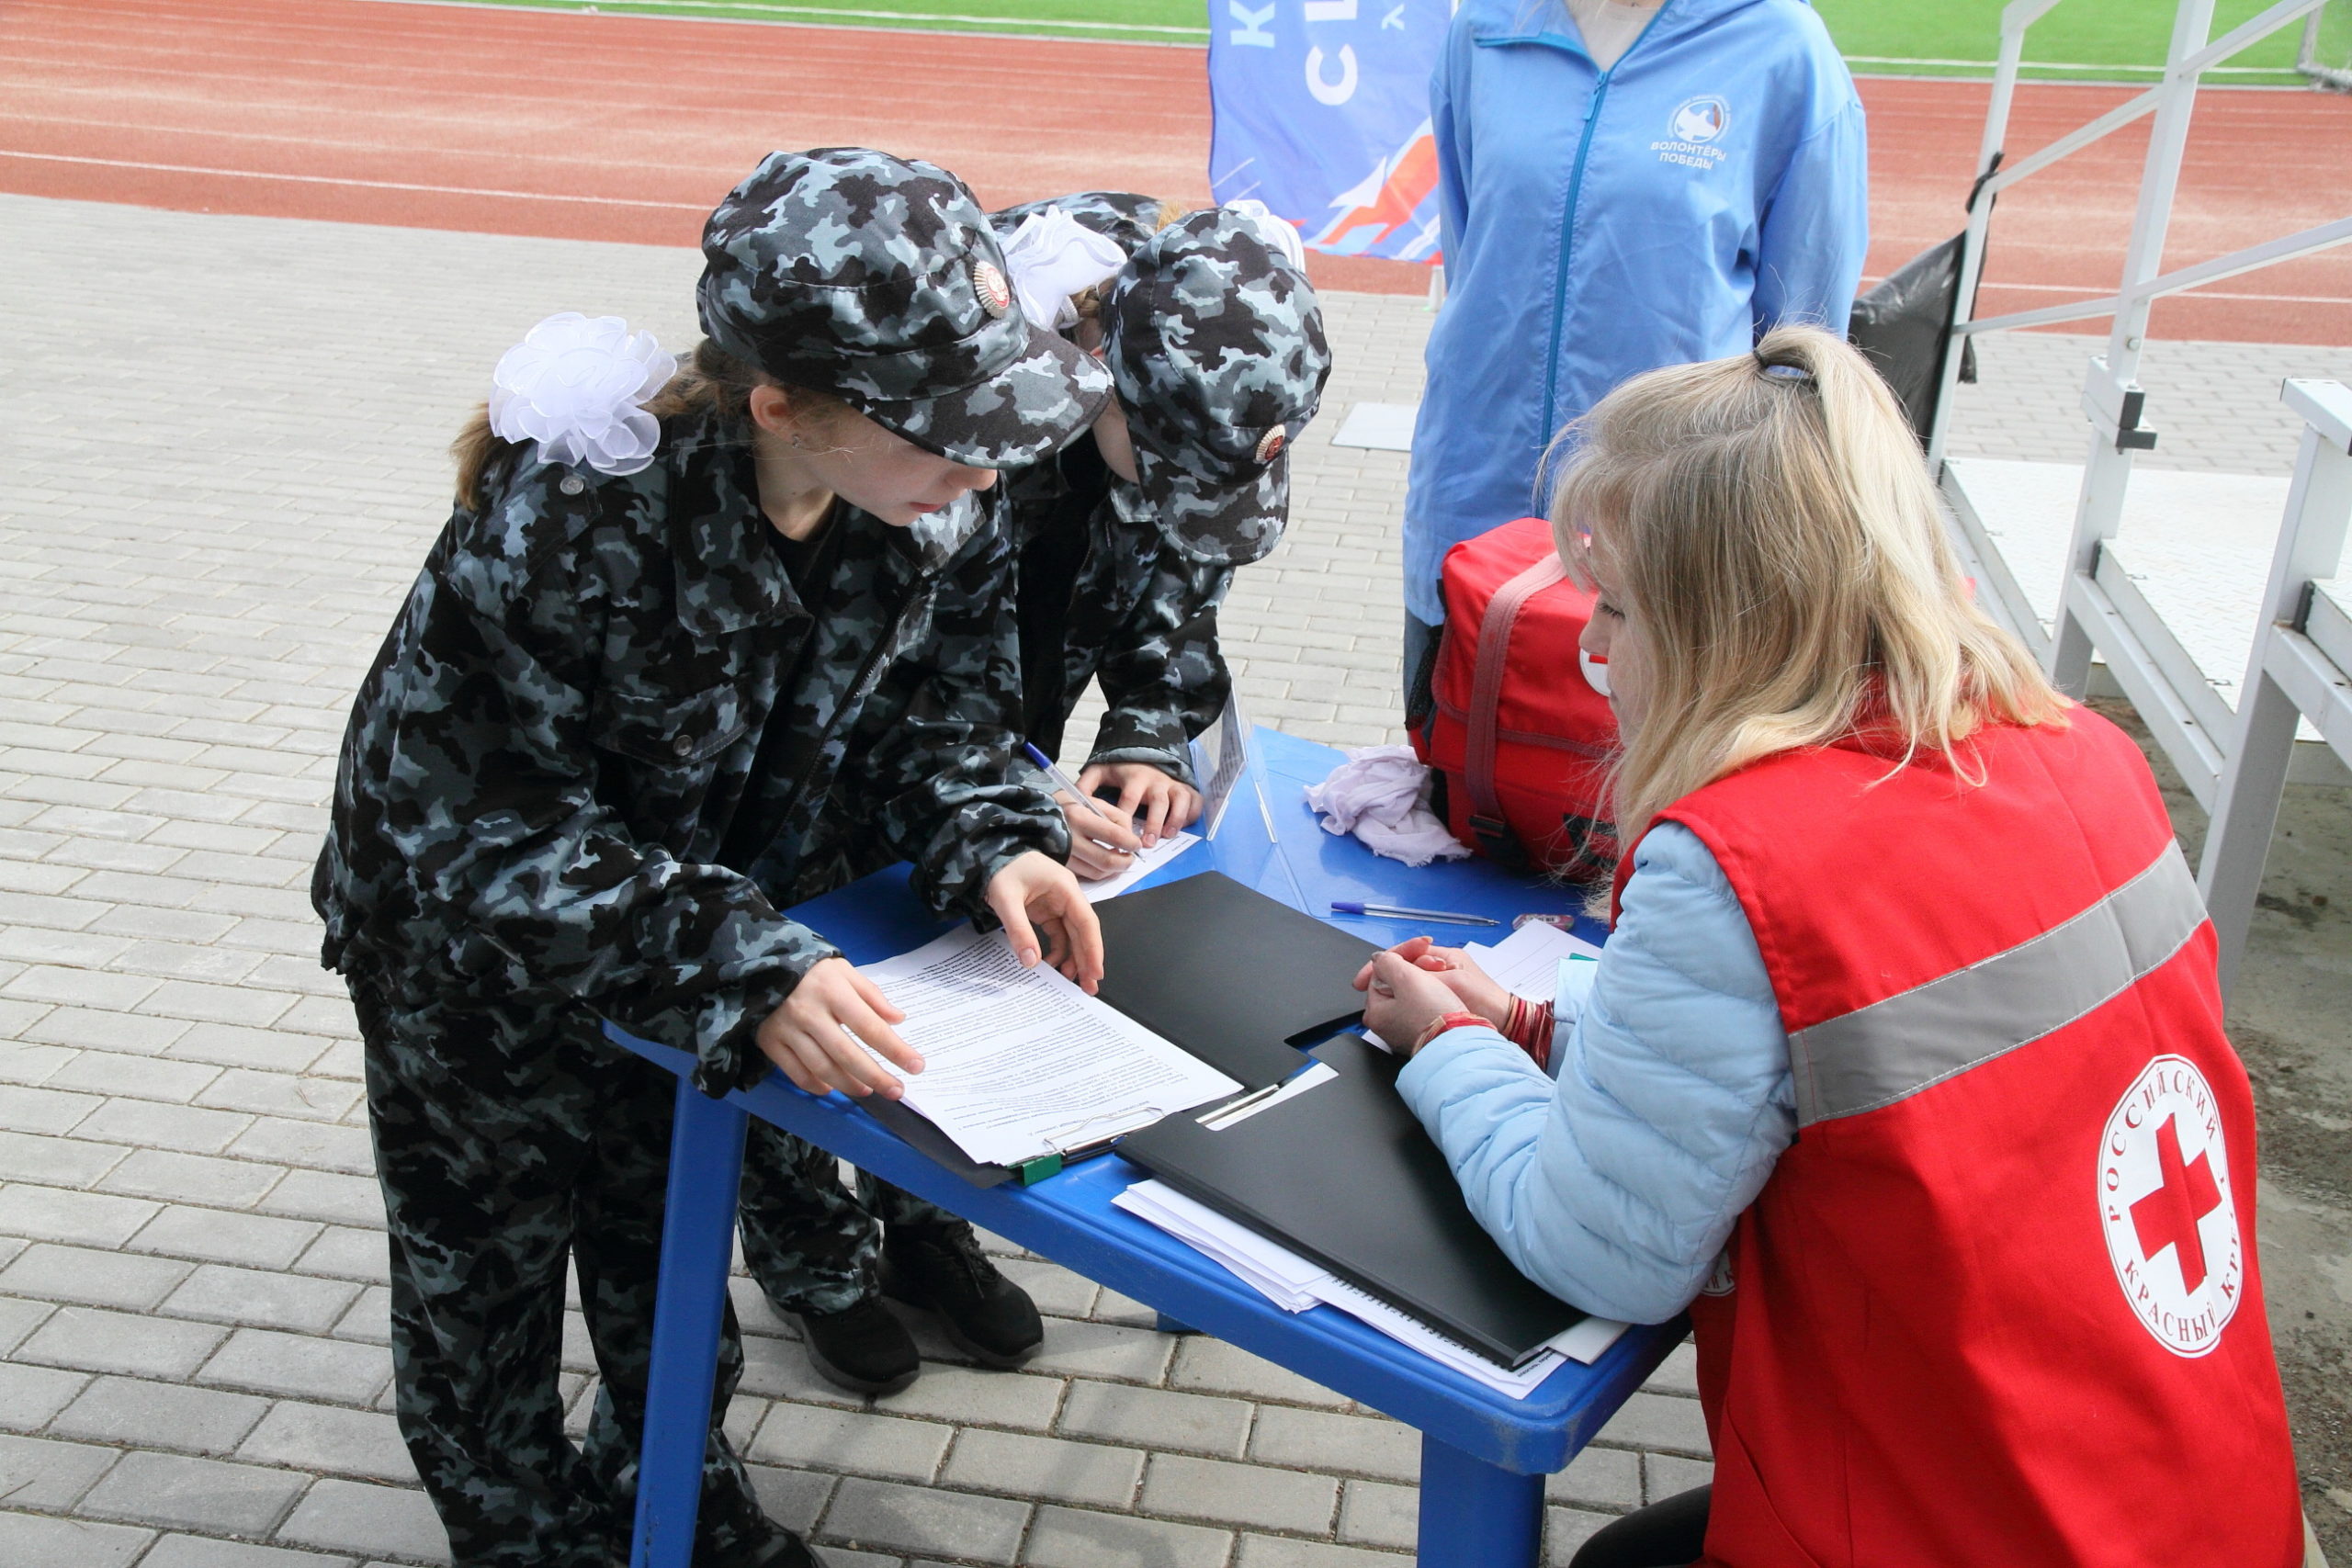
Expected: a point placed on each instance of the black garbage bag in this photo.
(1903, 325)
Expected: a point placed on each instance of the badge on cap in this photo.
(996, 294)
(1270, 445)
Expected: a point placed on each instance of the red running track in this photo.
(630, 128)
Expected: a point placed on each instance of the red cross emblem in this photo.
(2164, 1185)
(2168, 1216)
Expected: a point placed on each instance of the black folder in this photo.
(1236, 978)
(1344, 1174)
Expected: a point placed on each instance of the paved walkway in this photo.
(223, 465)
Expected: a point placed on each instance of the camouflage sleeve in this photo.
(493, 805)
(949, 800)
(1162, 674)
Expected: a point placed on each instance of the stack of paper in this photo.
(1527, 963)
(1296, 1283)
(1020, 1063)
(1145, 862)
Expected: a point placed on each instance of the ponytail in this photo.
(711, 381)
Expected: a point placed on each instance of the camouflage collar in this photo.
(729, 579)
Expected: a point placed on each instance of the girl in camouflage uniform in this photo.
(777, 636)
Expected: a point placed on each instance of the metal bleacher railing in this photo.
(2101, 610)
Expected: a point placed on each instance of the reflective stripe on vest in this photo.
(1896, 1047)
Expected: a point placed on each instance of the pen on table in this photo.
(1062, 780)
(1398, 912)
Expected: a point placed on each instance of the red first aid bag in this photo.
(1518, 737)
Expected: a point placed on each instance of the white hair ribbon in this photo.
(1052, 257)
(577, 387)
(1279, 234)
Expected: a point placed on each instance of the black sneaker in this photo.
(731, 1530)
(861, 1347)
(983, 1313)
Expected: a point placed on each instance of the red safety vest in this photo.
(1997, 1306)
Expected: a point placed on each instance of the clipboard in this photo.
(1345, 1174)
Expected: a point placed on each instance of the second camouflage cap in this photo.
(879, 279)
(1216, 344)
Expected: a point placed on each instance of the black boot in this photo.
(731, 1530)
(861, 1347)
(984, 1315)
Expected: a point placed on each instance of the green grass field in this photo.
(2120, 40)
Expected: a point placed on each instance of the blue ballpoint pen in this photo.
(1062, 780)
(1398, 912)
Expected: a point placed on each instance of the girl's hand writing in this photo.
(1166, 806)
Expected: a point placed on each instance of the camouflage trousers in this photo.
(510, 1138)
(810, 1242)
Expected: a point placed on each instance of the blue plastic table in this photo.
(1483, 1455)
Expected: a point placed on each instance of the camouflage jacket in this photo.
(1103, 594)
(567, 756)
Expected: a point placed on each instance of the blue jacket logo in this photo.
(1700, 120)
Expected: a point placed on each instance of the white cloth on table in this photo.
(1376, 794)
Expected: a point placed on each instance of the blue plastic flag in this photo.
(1322, 112)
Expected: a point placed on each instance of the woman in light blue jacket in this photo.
(1618, 192)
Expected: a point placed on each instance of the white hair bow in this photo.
(1278, 233)
(1052, 257)
(577, 388)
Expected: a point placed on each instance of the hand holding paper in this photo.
(813, 1036)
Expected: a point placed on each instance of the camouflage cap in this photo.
(877, 279)
(1216, 343)
(1121, 217)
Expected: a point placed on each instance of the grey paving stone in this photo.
(51, 1213)
(196, 1493)
(778, 1369)
(90, 1277)
(1075, 1537)
(1679, 1373)
(1215, 1367)
(34, 1540)
(1274, 1552)
(22, 1064)
(148, 1124)
(1598, 1478)
(1564, 1530)
(202, 1551)
(56, 1162)
(891, 1517)
(30, 1396)
(374, 1521)
(793, 1498)
(1238, 1493)
(220, 1236)
(329, 1438)
(281, 1094)
(1374, 1513)
(1664, 1475)
(324, 1195)
(344, 1253)
(104, 1073)
(19, 1318)
(1044, 1468)
(1157, 1418)
(963, 1394)
(95, 1341)
(369, 1317)
(1104, 1350)
(1056, 1289)
(316, 1144)
(48, 1111)
(38, 1473)
(236, 1045)
(192, 1178)
(261, 1298)
(1658, 1421)
(137, 1413)
(299, 1366)
(801, 1436)
(1359, 1445)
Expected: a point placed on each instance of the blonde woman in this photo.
(1903, 1069)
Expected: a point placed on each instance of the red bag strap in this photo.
(1486, 690)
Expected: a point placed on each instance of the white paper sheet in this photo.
(1143, 865)
(1527, 963)
(1296, 1283)
(1019, 1062)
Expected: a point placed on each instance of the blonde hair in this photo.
(1767, 519)
(711, 381)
